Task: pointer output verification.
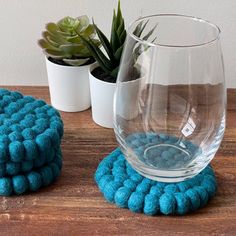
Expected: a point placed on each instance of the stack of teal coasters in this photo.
(122, 185)
(30, 138)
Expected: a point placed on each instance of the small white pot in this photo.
(69, 87)
(102, 94)
(129, 91)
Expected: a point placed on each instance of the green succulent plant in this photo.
(110, 61)
(62, 42)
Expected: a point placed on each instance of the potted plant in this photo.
(103, 74)
(68, 61)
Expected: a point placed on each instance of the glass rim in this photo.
(169, 45)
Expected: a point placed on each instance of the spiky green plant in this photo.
(62, 43)
(109, 61)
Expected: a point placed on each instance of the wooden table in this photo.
(74, 205)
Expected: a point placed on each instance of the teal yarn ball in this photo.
(35, 181)
(5, 186)
(122, 185)
(20, 184)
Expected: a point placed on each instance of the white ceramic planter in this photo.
(69, 87)
(102, 94)
(128, 107)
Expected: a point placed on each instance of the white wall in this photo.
(21, 23)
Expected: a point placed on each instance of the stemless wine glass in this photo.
(170, 100)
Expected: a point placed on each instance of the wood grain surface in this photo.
(74, 205)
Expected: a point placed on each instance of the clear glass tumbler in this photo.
(170, 100)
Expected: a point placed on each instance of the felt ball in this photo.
(101, 172)
(104, 180)
(166, 155)
(8, 122)
(42, 122)
(155, 190)
(2, 118)
(35, 181)
(203, 194)
(128, 183)
(39, 103)
(210, 186)
(49, 155)
(58, 160)
(151, 204)
(20, 184)
(16, 95)
(144, 186)
(183, 186)
(12, 108)
(55, 170)
(47, 175)
(16, 127)
(17, 117)
(16, 150)
(38, 129)
(57, 126)
(167, 204)
(122, 196)
(4, 92)
(110, 189)
(21, 102)
(26, 166)
(26, 123)
(5, 186)
(4, 129)
(136, 177)
(3, 153)
(136, 202)
(31, 150)
(163, 136)
(194, 199)
(15, 136)
(7, 99)
(12, 168)
(41, 115)
(29, 106)
(28, 99)
(2, 170)
(43, 142)
(28, 134)
(182, 203)
(40, 160)
(52, 112)
(171, 188)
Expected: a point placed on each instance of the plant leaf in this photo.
(149, 33)
(54, 54)
(76, 62)
(115, 41)
(105, 42)
(44, 44)
(119, 16)
(123, 37)
(94, 53)
(139, 28)
(51, 27)
(119, 53)
(114, 73)
(121, 27)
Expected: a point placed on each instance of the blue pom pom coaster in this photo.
(122, 185)
(30, 137)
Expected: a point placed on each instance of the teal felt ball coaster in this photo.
(30, 137)
(122, 185)
(32, 180)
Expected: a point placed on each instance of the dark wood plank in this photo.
(74, 205)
